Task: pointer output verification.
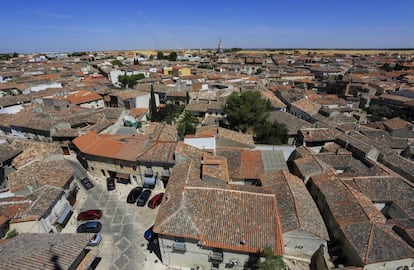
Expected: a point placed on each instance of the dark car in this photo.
(155, 201)
(110, 183)
(89, 227)
(86, 183)
(143, 198)
(134, 194)
(90, 215)
(150, 234)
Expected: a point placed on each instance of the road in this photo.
(123, 246)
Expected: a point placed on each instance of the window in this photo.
(179, 245)
(121, 165)
(134, 167)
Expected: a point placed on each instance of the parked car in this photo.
(110, 183)
(90, 215)
(134, 194)
(96, 239)
(143, 198)
(89, 227)
(123, 181)
(156, 200)
(86, 183)
(149, 234)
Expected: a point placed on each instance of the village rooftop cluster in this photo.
(337, 194)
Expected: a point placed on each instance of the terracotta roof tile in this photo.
(36, 250)
(296, 207)
(55, 173)
(83, 96)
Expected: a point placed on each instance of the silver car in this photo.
(96, 239)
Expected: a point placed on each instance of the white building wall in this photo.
(11, 110)
(42, 87)
(113, 75)
(201, 143)
(143, 101)
(97, 104)
(196, 256)
(301, 244)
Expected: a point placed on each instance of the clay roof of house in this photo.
(38, 250)
(159, 151)
(33, 150)
(215, 166)
(376, 243)
(292, 123)
(243, 163)
(307, 105)
(55, 173)
(7, 152)
(138, 112)
(228, 218)
(308, 165)
(297, 209)
(318, 134)
(128, 94)
(387, 188)
(346, 204)
(44, 199)
(396, 123)
(110, 146)
(275, 101)
(83, 96)
(188, 152)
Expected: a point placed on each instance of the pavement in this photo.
(123, 246)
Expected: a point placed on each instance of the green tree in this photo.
(246, 111)
(130, 80)
(386, 67)
(169, 113)
(172, 56)
(378, 112)
(160, 55)
(271, 133)
(187, 124)
(271, 261)
(116, 63)
(152, 106)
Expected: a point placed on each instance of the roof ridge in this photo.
(369, 243)
(351, 190)
(293, 198)
(229, 190)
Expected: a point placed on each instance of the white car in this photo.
(96, 239)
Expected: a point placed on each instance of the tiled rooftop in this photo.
(36, 251)
(342, 202)
(297, 209)
(307, 105)
(7, 152)
(55, 173)
(376, 243)
(293, 123)
(318, 134)
(33, 150)
(215, 166)
(386, 188)
(218, 217)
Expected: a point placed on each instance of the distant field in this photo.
(330, 51)
(288, 51)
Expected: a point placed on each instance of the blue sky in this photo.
(34, 26)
